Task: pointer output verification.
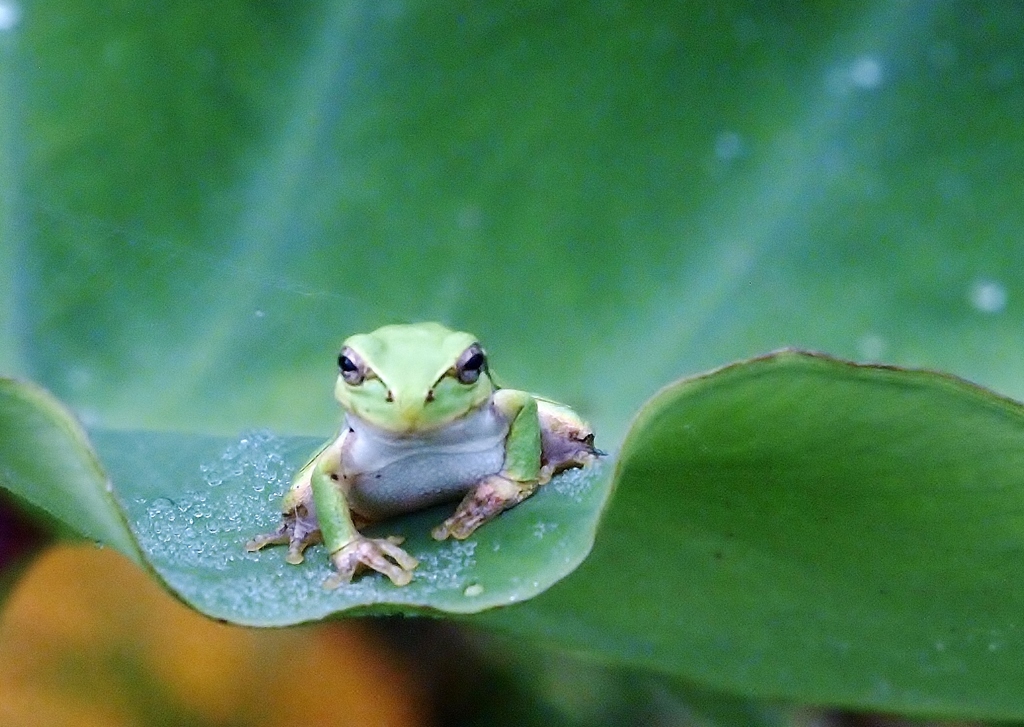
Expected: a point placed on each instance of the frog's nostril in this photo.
(430, 395)
(390, 397)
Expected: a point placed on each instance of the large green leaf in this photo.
(791, 527)
(197, 203)
(802, 528)
(609, 195)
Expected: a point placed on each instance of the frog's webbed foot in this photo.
(298, 530)
(487, 500)
(379, 554)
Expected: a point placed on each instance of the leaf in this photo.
(46, 460)
(199, 228)
(796, 527)
(791, 527)
(193, 501)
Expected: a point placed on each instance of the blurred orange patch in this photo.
(87, 638)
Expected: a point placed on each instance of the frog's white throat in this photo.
(483, 430)
(396, 473)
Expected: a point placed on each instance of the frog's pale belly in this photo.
(397, 474)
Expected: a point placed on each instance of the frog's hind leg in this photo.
(566, 441)
(298, 529)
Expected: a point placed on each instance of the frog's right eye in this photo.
(350, 370)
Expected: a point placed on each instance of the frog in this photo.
(424, 423)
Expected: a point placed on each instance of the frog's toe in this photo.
(298, 530)
(278, 537)
(304, 533)
(296, 547)
(380, 554)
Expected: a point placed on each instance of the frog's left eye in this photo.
(351, 371)
(471, 364)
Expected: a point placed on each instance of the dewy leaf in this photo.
(803, 528)
(46, 460)
(192, 502)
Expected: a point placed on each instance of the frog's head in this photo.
(412, 378)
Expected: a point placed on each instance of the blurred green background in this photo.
(202, 201)
(199, 201)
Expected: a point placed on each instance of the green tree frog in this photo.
(424, 423)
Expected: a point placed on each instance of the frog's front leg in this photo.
(349, 550)
(520, 474)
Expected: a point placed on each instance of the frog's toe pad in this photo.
(380, 554)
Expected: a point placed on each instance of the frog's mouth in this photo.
(480, 433)
(462, 427)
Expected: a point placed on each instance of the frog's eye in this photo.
(351, 372)
(471, 364)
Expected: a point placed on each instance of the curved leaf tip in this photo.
(47, 461)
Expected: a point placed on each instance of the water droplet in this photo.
(871, 347)
(541, 529)
(866, 72)
(988, 296)
(10, 15)
(728, 146)
(573, 484)
(469, 217)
